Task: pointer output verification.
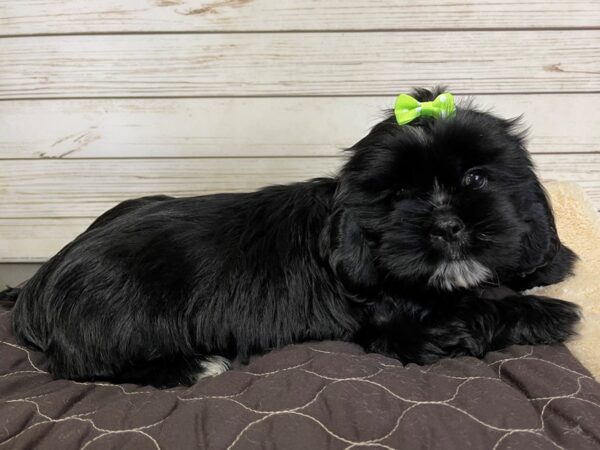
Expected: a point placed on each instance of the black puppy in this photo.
(398, 252)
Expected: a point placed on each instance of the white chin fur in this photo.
(213, 366)
(459, 274)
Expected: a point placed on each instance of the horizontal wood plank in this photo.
(229, 127)
(62, 188)
(13, 273)
(85, 188)
(32, 240)
(373, 63)
(101, 16)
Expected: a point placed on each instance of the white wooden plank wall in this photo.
(103, 100)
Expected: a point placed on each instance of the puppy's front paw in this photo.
(547, 320)
(428, 345)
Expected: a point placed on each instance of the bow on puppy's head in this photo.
(408, 108)
(446, 200)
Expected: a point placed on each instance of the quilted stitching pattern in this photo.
(327, 395)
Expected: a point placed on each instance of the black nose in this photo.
(447, 227)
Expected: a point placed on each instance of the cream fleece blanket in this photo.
(578, 226)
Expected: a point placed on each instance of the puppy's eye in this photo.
(474, 179)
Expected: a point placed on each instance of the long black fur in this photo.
(156, 285)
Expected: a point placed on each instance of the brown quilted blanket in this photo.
(326, 395)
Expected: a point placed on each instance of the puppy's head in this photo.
(448, 203)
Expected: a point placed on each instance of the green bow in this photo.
(408, 108)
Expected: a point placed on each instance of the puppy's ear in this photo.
(343, 242)
(544, 260)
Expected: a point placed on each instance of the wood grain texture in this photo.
(63, 188)
(371, 63)
(231, 127)
(69, 157)
(85, 188)
(101, 16)
(33, 240)
(12, 274)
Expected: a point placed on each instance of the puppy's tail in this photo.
(10, 295)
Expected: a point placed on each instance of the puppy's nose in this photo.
(447, 227)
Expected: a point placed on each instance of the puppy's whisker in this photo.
(486, 238)
(494, 283)
(449, 201)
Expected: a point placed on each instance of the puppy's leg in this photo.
(532, 319)
(470, 326)
(184, 371)
(556, 270)
(160, 372)
(173, 371)
(213, 366)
